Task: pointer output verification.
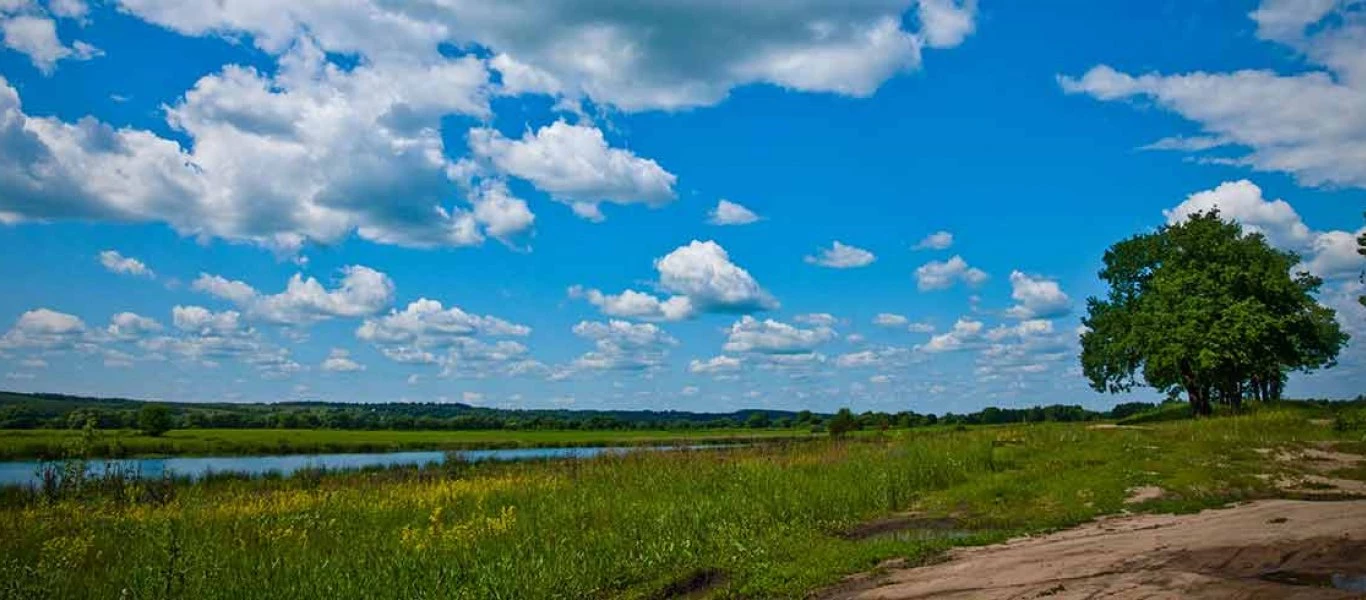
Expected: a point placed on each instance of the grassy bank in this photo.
(54, 443)
(763, 521)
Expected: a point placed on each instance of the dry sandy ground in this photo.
(1265, 549)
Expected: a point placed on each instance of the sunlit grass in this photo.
(767, 519)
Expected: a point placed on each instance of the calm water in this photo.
(26, 472)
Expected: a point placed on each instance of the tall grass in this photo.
(754, 521)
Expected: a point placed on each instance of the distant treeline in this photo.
(56, 411)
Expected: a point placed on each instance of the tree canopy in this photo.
(1202, 307)
(154, 419)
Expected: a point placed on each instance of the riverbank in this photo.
(764, 521)
(20, 444)
(1263, 549)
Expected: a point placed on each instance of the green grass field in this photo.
(755, 521)
(54, 443)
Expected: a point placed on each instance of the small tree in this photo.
(1203, 308)
(154, 420)
(757, 420)
(843, 422)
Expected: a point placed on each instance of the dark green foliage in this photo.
(843, 422)
(154, 419)
(53, 411)
(1204, 309)
(1128, 409)
(757, 420)
(1361, 249)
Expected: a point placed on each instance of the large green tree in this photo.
(1203, 308)
(154, 419)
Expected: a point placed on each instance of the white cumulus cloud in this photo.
(123, 265)
(774, 337)
(731, 213)
(701, 278)
(1036, 297)
(939, 240)
(1308, 124)
(842, 256)
(575, 165)
(938, 275)
(361, 292)
(339, 361)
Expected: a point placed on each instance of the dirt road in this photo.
(1266, 549)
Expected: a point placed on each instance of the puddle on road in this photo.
(1350, 583)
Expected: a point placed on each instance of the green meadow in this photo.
(54, 443)
(775, 520)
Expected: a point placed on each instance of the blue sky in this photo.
(520, 204)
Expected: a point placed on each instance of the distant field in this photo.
(52, 443)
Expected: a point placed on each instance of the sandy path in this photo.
(1266, 549)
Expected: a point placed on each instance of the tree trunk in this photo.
(1195, 391)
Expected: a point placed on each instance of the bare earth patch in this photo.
(1102, 426)
(1143, 494)
(1265, 549)
(1315, 479)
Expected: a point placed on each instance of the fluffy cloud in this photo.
(890, 320)
(575, 165)
(920, 327)
(70, 9)
(306, 150)
(362, 291)
(201, 336)
(502, 214)
(774, 337)
(1328, 254)
(118, 263)
(26, 29)
(938, 275)
(427, 324)
(701, 278)
(716, 364)
(819, 319)
(45, 329)
(425, 332)
(1036, 297)
(207, 338)
(200, 319)
(636, 305)
(842, 256)
(131, 326)
(1308, 124)
(306, 154)
(1023, 329)
(621, 345)
(703, 272)
(946, 23)
(1029, 347)
(964, 332)
(939, 240)
(680, 55)
(862, 358)
(896, 321)
(339, 361)
(731, 213)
